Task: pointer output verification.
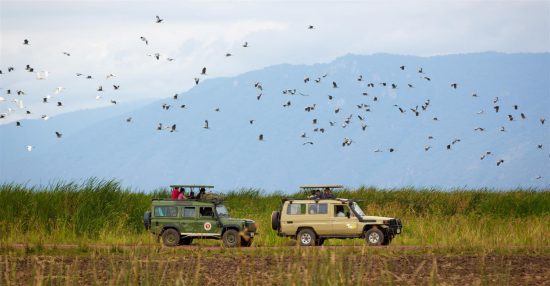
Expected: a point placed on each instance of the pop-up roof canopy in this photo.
(192, 186)
(321, 186)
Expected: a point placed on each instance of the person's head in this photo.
(202, 190)
(317, 192)
(182, 190)
(327, 190)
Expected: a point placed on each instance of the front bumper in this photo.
(395, 227)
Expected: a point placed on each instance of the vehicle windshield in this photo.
(357, 209)
(222, 211)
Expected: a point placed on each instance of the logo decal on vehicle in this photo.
(207, 226)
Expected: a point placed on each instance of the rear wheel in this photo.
(170, 237)
(186, 240)
(306, 237)
(374, 237)
(275, 220)
(231, 238)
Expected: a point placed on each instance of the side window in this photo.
(166, 211)
(206, 211)
(342, 211)
(296, 209)
(318, 209)
(189, 212)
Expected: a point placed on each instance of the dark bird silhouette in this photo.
(58, 134)
(499, 162)
(542, 120)
(217, 109)
(515, 107)
(510, 117)
(145, 40)
(116, 87)
(391, 150)
(228, 54)
(259, 96)
(197, 80)
(496, 107)
(182, 106)
(159, 20)
(474, 94)
(113, 101)
(159, 127)
(245, 45)
(523, 116)
(129, 119)
(420, 70)
(334, 85)
(402, 68)
(59, 103)
(308, 142)
(306, 79)
(251, 121)
(495, 100)
(18, 123)
(173, 128)
(539, 146)
(360, 78)
(454, 85)
(427, 78)
(310, 27)
(67, 54)
(261, 137)
(203, 71)
(100, 88)
(393, 85)
(25, 42)
(330, 97)
(175, 97)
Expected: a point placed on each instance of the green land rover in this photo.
(178, 222)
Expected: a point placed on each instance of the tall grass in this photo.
(105, 212)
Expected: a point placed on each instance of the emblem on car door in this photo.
(207, 226)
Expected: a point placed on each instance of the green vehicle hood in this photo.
(234, 221)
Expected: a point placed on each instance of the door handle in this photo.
(289, 221)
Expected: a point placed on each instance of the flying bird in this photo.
(145, 40)
(261, 137)
(499, 162)
(58, 134)
(205, 126)
(29, 148)
(25, 42)
(203, 71)
(159, 20)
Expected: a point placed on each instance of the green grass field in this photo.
(102, 212)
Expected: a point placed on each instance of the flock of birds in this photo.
(416, 110)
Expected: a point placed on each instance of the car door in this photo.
(207, 223)
(318, 218)
(343, 221)
(188, 220)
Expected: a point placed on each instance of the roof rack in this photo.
(192, 186)
(211, 200)
(321, 186)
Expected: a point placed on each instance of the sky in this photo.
(103, 37)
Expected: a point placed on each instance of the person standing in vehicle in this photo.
(202, 193)
(327, 194)
(181, 195)
(175, 193)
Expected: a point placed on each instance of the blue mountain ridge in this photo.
(229, 154)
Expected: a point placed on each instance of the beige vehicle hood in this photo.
(369, 217)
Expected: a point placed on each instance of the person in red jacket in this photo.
(175, 193)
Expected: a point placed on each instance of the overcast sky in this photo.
(104, 37)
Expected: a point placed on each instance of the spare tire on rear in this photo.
(275, 220)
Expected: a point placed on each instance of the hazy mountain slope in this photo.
(229, 154)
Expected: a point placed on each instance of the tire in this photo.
(320, 241)
(275, 220)
(231, 238)
(186, 240)
(245, 243)
(306, 237)
(170, 237)
(374, 237)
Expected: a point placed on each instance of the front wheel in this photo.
(374, 237)
(231, 238)
(170, 237)
(306, 237)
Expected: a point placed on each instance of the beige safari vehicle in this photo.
(313, 220)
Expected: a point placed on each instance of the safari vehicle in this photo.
(313, 220)
(179, 222)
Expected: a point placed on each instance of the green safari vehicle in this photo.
(179, 222)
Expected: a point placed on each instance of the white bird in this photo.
(29, 148)
(45, 117)
(110, 76)
(59, 89)
(42, 75)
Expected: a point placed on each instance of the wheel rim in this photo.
(230, 239)
(374, 238)
(305, 238)
(171, 238)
